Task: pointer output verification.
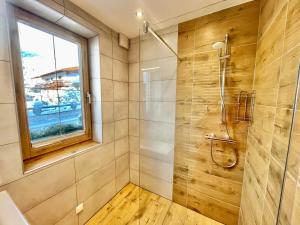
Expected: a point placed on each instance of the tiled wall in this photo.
(50, 195)
(152, 95)
(277, 63)
(199, 183)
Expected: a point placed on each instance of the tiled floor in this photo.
(154, 209)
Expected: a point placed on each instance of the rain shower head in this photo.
(218, 45)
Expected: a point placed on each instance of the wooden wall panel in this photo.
(277, 64)
(198, 183)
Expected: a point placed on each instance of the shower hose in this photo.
(224, 122)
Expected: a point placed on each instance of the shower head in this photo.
(218, 45)
(145, 27)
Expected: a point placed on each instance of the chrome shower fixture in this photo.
(218, 45)
(148, 29)
(222, 48)
(145, 27)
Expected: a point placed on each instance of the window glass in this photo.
(52, 83)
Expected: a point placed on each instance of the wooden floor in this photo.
(136, 206)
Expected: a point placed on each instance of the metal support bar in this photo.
(147, 28)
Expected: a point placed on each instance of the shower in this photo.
(222, 48)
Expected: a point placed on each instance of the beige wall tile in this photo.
(122, 163)
(51, 211)
(47, 183)
(120, 71)
(108, 132)
(121, 129)
(121, 146)
(120, 91)
(107, 112)
(7, 89)
(159, 150)
(106, 67)
(134, 110)
(133, 53)
(8, 127)
(134, 72)
(158, 91)
(151, 49)
(134, 144)
(10, 163)
(134, 177)
(158, 131)
(96, 201)
(134, 161)
(157, 168)
(122, 180)
(134, 129)
(120, 110)
(107, 90)
(106, 43)
(134, 91)
(89, 185)
(158, 111)
(159, 69)
(96, 158)
(156, 185)
(119, 52)
(70, 219)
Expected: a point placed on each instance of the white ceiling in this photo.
(120, 14)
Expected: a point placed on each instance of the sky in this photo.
(40, 49)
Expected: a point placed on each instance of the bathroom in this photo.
(149, 112)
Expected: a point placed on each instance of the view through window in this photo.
(52, 83)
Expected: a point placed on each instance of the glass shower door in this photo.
(157, 105)
(289, 208)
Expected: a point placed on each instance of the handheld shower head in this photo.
(218, 45)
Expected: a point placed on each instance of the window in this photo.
(50, 69)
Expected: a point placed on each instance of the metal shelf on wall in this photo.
(245, 106)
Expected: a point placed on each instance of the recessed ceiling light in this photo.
(139, 14)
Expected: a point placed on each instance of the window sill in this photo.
(50, 159)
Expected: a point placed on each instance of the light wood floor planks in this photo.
(136, 206)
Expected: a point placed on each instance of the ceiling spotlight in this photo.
(139, 14)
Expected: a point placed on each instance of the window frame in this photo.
(29, 149)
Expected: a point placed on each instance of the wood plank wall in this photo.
(277, 62)
(199, 184)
